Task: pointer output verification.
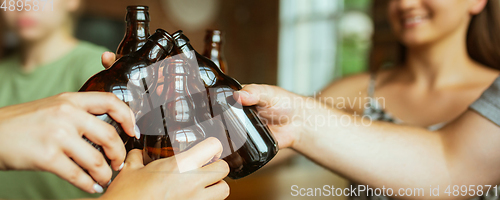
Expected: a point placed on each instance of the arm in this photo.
(383, 154)
(463, 153)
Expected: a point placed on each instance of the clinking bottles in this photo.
(136, 32)
(214, 40)
(183, 118)
(131, 76)
(247, 142)
(136, 35)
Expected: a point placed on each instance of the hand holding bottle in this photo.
(163, 178)
(47, 134)
(277, 107)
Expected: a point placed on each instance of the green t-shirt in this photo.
(66, 74)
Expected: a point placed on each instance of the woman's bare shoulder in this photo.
(347, 86)
(483, 76)
(492, 73)
(351, 89)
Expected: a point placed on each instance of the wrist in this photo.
(304, 122)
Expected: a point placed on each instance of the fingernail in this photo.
(108, 183)
(120, 167)
(98, 188)
(137, 132)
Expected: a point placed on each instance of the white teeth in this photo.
(414, 20)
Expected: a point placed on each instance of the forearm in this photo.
(378, 154)
(465, 152)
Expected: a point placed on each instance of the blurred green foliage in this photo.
(363, 5)
(354, 58)
(354, 54)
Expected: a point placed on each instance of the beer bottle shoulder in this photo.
(213, 76)
(124, 72)
(95, 83)
(130, 45)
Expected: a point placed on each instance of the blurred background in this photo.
(267, 41)
(301, 45)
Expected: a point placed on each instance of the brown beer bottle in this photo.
(213, 49)
(136, 35)
(137, 31)
(131, 77)
(248, 144)
(183, 119)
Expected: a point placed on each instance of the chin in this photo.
(30, 35)
(415, 40)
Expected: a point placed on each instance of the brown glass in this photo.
(136, 32)
(249, 142)
(131, 77)
(136, 35)
(183, 119)
(214, 40)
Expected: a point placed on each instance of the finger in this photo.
(107, 59)
(103, 102)
(199, 155)
(260, 95)
(69, 171)
(134, 160)
(101, 133)
(88, 158)
(219, 190)
(214, 172)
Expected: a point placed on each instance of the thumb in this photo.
(107, 59)
(206, 151)
(134, 160)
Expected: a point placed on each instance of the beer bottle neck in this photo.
(188, 51)
(158, 46)
(137, 19)
(137, 13)
(138, 29)
(152, 51)
(213, 44)
(182, 43)
(186, 48)
(212, 50)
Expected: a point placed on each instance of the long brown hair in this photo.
(483, 36)
(483, 39)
